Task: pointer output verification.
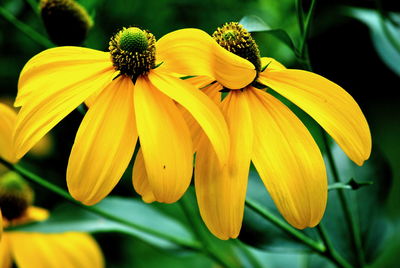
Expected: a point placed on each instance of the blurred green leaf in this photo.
(253, 23)
(68, 218)
(385, 34)
(367, 205)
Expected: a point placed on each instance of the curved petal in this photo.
(221, 191)
(41, 113)
(206, 113)
(140, 180)
(5, 252)
(104, 144)
(329, 104)
(200, 81)
(194, 52)
(272, 64)
(8, 118)
(165, 142)
(288, 160)
(66, 250)
(58, 68)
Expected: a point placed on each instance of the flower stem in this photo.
(306, 27)
(196, 230)
(59, 191)
(26, 29)
(353, 227)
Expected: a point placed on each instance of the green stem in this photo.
(250, 257)
(307, 27)
(316, 246)
(57, 190)
(300, 16)
(353, 227)
(330, 252)
(205, 244)
(26, 29)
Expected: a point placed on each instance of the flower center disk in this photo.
(236, 39)
(133, 51)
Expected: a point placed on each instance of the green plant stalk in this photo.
(57, 190)
(353, 227)
(184, 203)
(306, 27)
(249, 255)
(26, 29)
(300, 16)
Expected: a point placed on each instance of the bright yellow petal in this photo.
(204, 110)
(140, 180)
(221, 192)
(288, 160)
(5, 252)
(200, 81)
(8, 118)
(67, 250)
(194, 52)
(58, 68)
(329, 104)
(165, 142)
(104, 144)
(272, 64)
(41, 113)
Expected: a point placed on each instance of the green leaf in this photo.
(367, 205)
(253, 23)
(68, 218)
(385, 34)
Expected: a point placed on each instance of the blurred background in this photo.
(353, 43)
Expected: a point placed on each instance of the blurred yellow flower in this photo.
(32, 250)
(263, 130)
(130, 94)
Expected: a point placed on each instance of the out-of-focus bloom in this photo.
(264, 131)
(130, 94)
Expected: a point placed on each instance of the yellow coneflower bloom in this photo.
(32, 250)
(130, 95)
(264, 131)
(29, 249)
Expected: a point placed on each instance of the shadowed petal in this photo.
(329, 104)
(221, 192)
(165, 142)
(288, 161)
(5, 252)
(104, 144)
(8, 118)
(66, 250)
(194, 52)
(140, 180)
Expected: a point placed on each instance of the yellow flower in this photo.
(264, 131)
(30, 249)
(130, 94)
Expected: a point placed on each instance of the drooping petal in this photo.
(44, 110)
(200, 81)
(5, 252)
(329, 104)
(194, 52)
(221, 191)
(58, 68)
(205, 111)
(288, 161)
(140, 180)
(66, 250)
(165, 142)
(8, 118)
(104, 144)
(271, 64)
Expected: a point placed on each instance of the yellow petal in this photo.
(165, 142)
(204, 110)
(288, 160)
(272, 64)
(329, 104)
(140, 180)
(194, 52)
(5, 252)
(200, 81)
(221, 191)
(8, 118)
(41, 113)
(58, 68)
(66, 250)
(104, 144)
